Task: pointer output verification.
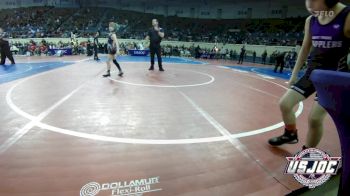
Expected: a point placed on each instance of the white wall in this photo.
(67, 3)
(8, 4)
(232, 11)
(258, 48)
(297, 11)
(5, 4)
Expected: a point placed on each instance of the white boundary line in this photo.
(19, 134)
(212, 79)
(146, 141)
(236, 143)
(261, 74)
(246, 73)
(185, 60)
(31, 67)
(223, 131)
(34, 120)
(232, 138)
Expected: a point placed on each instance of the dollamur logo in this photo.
(133, 187)
(312, 167)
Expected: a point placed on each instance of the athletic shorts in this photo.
(304, 86)
(112, 52)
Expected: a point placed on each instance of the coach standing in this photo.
(96, 45)
(280, 61)
(5, 48)
(155, 35)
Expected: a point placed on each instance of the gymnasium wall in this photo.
(259, 49)
(212, 10)
(6, 4)
(234, 9)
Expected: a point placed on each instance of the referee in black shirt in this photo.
(155, 35)
(5, 48)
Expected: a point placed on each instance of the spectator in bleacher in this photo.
(31, 47)
(235, 55)
(167, 51)
(44, 47)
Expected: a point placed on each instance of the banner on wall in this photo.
(138, 52)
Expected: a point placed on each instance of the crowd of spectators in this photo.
(43, 47)
(45, 22)
(42, 22)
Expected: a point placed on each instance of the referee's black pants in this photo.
(240, 60)
(279, 63)
(95, 52)
(156, 50)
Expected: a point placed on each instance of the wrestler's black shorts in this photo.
(304, 86)
(112, 51)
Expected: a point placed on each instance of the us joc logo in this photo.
(312, 167)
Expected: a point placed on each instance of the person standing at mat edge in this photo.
(280, 62)
(96, 45)
(113, 50)
(327, 39)
(241, 56)
(155, 35)
(5, 48)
